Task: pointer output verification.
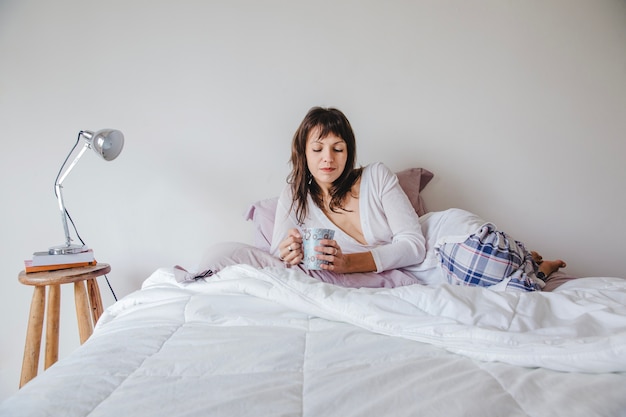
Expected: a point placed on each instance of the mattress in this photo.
(276, 342)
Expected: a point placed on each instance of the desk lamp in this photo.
(106, 143)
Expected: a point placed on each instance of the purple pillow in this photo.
(412, 181)
(262, 214)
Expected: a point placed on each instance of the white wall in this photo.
(518, 107)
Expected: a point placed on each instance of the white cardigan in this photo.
(390, 225)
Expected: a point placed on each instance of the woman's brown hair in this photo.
(327, 121)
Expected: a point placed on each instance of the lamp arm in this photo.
(59, 189)
(73, 164)
(58, 186)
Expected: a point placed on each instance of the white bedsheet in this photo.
(274, 342)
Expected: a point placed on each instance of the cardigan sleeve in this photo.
(397, 234)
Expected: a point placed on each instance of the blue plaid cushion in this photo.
(486, 258)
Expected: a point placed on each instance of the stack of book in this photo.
(43, 261)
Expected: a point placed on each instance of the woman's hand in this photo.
(344, 263)
(290, 249)
(330, 252)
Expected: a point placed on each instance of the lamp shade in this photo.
(107, 143)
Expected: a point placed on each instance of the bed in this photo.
(252, 337)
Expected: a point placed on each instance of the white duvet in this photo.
(275, 342)
(581, 326)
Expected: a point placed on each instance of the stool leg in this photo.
(52, 325)
(30, 363)
(82, 311)
(95, 300)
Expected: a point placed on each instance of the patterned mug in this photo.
(310, 239)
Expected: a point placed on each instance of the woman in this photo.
(377, 229)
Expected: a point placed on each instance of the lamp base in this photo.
(67, 249)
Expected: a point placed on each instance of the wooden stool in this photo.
(88, 311)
